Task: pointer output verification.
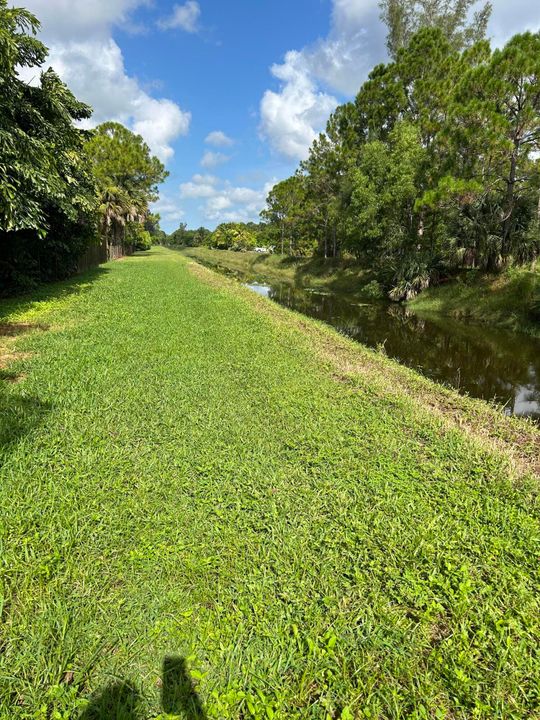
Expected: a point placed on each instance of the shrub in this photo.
(233, 236)
(373, 290)
(139, 237)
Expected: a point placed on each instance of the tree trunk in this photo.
(509, 201)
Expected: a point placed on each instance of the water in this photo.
(488, 363)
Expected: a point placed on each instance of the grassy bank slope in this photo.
(216, 508)
(336, 275)
(511, 299)
(506, 300)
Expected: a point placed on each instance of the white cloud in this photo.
(224, 201)
(213, 159)
(216, 205)
(236, 204)
(88, 59)
(159, 122)
(168, 209)
(186, 17)
(219, 139)
(292, 116)
(71, 20)
(356, 42)
(197, 190)
(210, 179)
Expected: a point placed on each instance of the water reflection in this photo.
(487, 363)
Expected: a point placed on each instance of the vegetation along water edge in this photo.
(509, 299)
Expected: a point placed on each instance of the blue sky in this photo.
(228, 94)
(219, 74)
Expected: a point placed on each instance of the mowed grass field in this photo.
(214, 508)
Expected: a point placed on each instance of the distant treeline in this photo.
(227, 236)
(63, 191)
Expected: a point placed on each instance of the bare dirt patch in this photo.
(9, 358)
(11, 377)
(15, 329)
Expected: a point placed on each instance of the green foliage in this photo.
(284, 211)
(235, 236)
(59, 184)
(434, 167)
(138, 237)
(232, 236)
(383, 189)
(182, 476)
(405, 17)
(343, 276)
(373, 290)
(120, 158)
(151, 224)
(47, 192)
(510, 299)
(496, 115)
(182, 237)
(128, 176)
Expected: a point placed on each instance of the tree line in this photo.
(62, 189)
(434, 165)
(239, 236)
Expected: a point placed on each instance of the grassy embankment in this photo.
(213, 507)
(335, 275)
(511, 299)
(506, 300)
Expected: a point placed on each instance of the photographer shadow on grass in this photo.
(121, 700)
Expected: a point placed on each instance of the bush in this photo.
(232, 236)
(373, 290)
(140, 238)
(144, 241)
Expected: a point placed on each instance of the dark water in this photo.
(487, 363)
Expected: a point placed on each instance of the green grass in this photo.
(511, 299)
(338, 275)
(212, 507)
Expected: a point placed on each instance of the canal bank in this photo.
(495, 364)
(510, 299)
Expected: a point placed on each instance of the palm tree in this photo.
(117, 209)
